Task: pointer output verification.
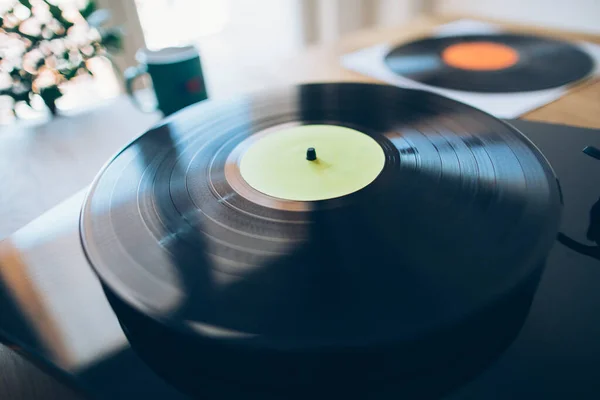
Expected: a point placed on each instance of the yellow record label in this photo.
(346, 161)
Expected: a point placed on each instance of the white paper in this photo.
(370, 62)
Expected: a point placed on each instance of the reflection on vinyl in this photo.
(430, 254)
(490, 63)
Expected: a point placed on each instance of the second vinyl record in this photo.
(501, 63)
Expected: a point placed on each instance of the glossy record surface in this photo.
(463, 211)
(543, 63)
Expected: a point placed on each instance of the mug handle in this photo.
(131, 74)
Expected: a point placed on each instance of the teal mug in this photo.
(176, 74)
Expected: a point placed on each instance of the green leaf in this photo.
(40, 63)
(26, 3)
(69, 73)
(57, 14)
(86, 69)
(8, 93)
(49, 95)
(33, 39)
(66, 24)
(55, 11)
(12, 29)
(21, 96)
(27, 79)
(89, 8)
(112, 38)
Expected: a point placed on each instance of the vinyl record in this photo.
(493, 63)
(434, 257)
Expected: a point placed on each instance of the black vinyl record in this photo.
(402, 276)
(490, 63)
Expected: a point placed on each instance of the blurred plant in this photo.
(43, 46)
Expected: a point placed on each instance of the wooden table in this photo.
(41, 165)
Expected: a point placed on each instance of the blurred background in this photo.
(78, 50)
(240, 41)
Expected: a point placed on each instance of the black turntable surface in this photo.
(61, 318)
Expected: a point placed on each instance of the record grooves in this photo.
(492, 63)
(436, 259)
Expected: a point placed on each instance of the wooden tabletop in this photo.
(41, 164)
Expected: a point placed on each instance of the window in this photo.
(239, 40)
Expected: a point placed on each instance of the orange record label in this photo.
(480, 56)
